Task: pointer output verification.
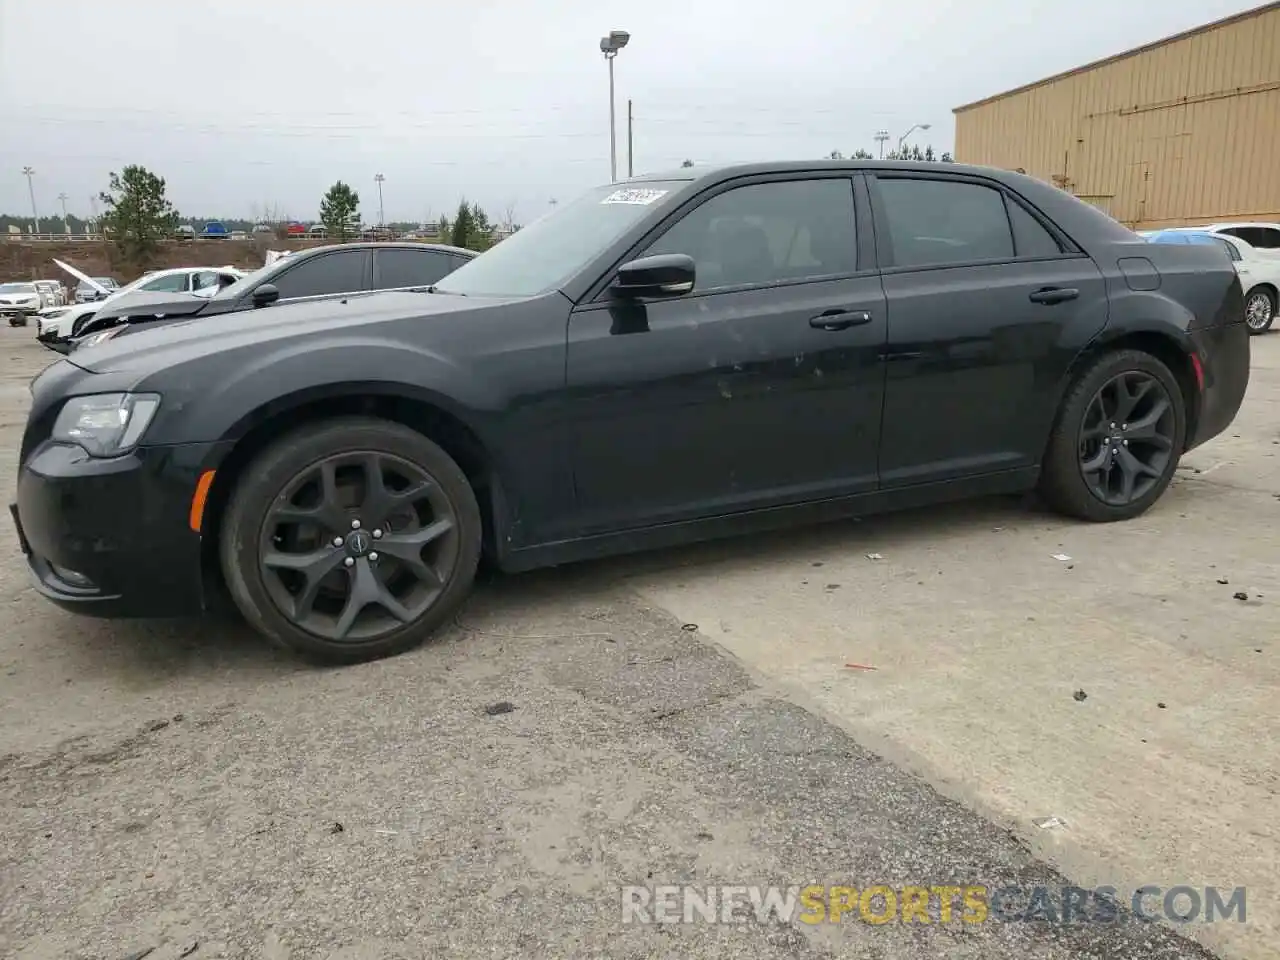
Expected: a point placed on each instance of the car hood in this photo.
(175, 343)
(151, 305)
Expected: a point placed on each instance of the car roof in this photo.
(733, 170)
(1242, 223)
(383, 245)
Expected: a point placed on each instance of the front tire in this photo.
(350, 540)
(1116, 444)
(1259, 309)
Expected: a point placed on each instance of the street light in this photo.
(378, 180)
(609, 46)
(35, 217)
(902, 139)
(880, 138)
(66, 227)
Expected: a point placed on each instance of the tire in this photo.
(263, 489)
(1260, 309)
(1063, 483)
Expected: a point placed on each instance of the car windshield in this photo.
(17, 288)
(552, 249)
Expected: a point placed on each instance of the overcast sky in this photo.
(242, 104)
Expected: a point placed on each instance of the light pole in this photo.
(903, 139)
(378, 180)
(29, 173)
(609, 46)
(880, 138)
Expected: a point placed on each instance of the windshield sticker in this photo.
(641, 197)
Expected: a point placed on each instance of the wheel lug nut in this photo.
(355, 524)
(373, 556)
(349, 562)
(337, 541)
(377, 534)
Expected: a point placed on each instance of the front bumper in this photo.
(111, 537)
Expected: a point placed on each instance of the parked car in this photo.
(19, 302)
(319, 273)
(1261, 235)
(214, 230)
(51, 294)
(99, 289)
(57, 327)
(184, 231)
(673, 358)
(1259, 274)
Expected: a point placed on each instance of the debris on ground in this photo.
(1080, 695)
(875, 556)
(189, 949)
(139, 954)
(336, 827)
(1240, 595)
(689, 628)
(157, 725)
(1049, 823)
(1162, 706)
(499, 708)
(1062, 558)
(1223, 581)
(859, 666)
(833, 586)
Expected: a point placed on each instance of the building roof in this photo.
(1234, 18)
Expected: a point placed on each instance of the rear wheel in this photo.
(1119, 435)
(1259, 309)
(351, 540)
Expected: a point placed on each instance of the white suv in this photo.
(63, 323)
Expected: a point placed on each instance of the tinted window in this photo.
(412, 268)
(944, 221)
(322, 276)
(174, 283)
(1030, 238)
(1266, 237)
(768, 232)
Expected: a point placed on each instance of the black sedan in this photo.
(316, 274)
(661, 361)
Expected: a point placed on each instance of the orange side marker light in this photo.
(198, 500)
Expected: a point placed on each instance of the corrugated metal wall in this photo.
(1187, 132)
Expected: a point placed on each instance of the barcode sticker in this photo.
(641, 197)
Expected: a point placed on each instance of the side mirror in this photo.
(265, 295)
(664, 275)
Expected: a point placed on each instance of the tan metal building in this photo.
(1179, 132)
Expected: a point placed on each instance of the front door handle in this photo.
(1052, 295)
(839, 319)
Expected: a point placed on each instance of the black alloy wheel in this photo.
(1119, 434)
(1126, 438)
(357, 545)
(351, 540)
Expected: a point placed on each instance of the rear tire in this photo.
(1091, 457)
(295, 567)
(1259, 309)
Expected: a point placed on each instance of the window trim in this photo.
(598, 293)
(884, 236)
(365, 276)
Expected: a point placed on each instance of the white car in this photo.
(1264, 237)
(19, 302)
(1259, 270)
(63, 323)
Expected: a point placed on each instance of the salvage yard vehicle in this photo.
(661, 361)
(315, 274)
(58, 326)
(19, 302)
(1259, 272)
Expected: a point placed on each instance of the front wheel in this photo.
(1119, 435)
(351, 540)
(1259, 309)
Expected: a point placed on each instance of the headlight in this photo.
(54, 313)
(106, 424)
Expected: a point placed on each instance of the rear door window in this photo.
(939, 222)
(411, 268)
(325, 275)
(174, 283)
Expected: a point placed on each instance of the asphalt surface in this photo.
(179, 786)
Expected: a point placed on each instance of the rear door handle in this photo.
(1052, 295)
(839, 319)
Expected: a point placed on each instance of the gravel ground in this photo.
(178, 786)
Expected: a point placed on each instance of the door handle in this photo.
(1052, 295)
(839, 319)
